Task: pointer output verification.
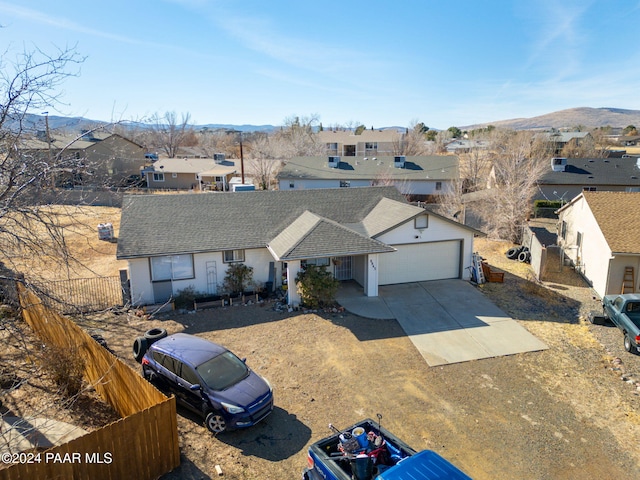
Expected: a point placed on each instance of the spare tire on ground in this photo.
(140, 346)
(524, 256)
(512, 253)
(154, 335)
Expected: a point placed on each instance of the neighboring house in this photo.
(420, 178)
(105, 159)
(629, 141)
(368, 143)
(600, 233)
(368, 235)
(568, 177)
(561, 139)
(190, 174)
(465, 146)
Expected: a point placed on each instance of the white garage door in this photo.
(420, 262)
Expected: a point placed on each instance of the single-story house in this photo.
(346, 143)
(566, 178)
(416, 177)
(370, 235)
(191, 173)
(600, 233)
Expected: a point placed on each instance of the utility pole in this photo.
(241, 160)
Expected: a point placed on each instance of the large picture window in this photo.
(171, 267)
(158, 177)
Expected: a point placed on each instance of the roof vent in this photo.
(333, 162)
(398, 161)
(218, 157)
(558, 164)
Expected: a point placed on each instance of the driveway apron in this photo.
(450, 321)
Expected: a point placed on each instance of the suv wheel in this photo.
(215, 422)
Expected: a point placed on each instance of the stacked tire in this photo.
(521, 253)
(142, 344)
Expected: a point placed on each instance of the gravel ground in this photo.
(563, 413)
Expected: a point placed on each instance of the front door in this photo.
(342, 268)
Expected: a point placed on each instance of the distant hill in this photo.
(572, 117)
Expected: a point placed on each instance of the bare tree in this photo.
(264, 162)
(297, 138)
(412, 142)
(519, 160)
(169, 134)
(30, 84)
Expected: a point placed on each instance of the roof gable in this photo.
(618, 218)
(311, 236)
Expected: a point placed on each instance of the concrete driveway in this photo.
(449, 321)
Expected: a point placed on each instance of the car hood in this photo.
(245, 392)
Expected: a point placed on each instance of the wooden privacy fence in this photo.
(82, 294)
(142, 445)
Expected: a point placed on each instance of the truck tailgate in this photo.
(425, 465)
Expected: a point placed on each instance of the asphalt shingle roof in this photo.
(595, 171)
(209, 222)
(427, 168)
(617, 213)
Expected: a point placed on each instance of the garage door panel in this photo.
(420, 262)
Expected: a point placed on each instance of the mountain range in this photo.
(570, 118)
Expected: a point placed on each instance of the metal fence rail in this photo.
(81, 294)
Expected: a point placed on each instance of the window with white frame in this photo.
(158, 177)
(421, 222)
(438, 185)
(371, 147)
(292, 184)
(230, 256)
(171, 267)
(174, 175)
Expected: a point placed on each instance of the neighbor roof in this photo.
(617, 216)
(437, 167)
(193, 165)
(208, 222)
(595, 171)
(348, 137)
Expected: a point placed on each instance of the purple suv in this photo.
(210, 380)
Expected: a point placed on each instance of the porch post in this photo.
(371, 278)
(293, 267)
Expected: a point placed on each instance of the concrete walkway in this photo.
(449, 321)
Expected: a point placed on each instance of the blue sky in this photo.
(379, 63)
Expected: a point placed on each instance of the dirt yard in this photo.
(563, 413)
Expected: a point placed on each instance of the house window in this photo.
(588, 189)
(174, 175)
(563, 230)
(171, 267)
(345, 183)
(371, 147)
(421, 222)
(579, 239)
(320, 262)
(438, 185)
(230, 256)
(332, 148)
(158, 177)
(292, 185)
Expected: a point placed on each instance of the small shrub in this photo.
(66, 367)
(317, 286)
(238, 277)
(187, 296)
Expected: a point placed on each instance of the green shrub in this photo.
(317, 286)
(238, 278)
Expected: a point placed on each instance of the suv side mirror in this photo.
(195, 387)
